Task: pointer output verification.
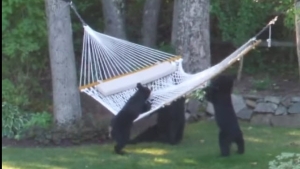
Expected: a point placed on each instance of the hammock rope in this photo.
(111, 67)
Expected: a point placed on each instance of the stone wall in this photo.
(268, 110)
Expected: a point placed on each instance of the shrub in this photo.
(13, 121)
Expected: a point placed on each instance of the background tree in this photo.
(66, 102)
(113, 12)
(150, 20)
(193, 41)
(175, 22)
(297, 27)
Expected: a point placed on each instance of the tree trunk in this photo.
(297, 24)
(175, 22)
(113, 12)
(66, 99)
(193, 41)
(150, 19)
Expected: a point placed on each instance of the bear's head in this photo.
(143, 89)
(221, 84)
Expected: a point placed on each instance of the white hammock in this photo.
(111, 67)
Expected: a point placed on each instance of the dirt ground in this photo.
(281, 86)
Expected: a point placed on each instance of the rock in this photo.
(272, 99)
(260, 100)
(281, 110)
(193, 106)
(210, 109)
(296, 99)
(265, 108)
(261, 119)
(187, 116)
(252, 97)
(245, 114)
(292, 120)
(295, 108)
(194, 118)
(238, 102)
(250, 103)
(286, 101)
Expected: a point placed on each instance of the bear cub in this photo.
(219, 94)
(169, 127)
(122, 123)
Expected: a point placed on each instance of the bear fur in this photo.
(219, 94)
(122, 123)
(169, 127)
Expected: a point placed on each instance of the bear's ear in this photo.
(139, 85)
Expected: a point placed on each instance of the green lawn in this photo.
(199, 149)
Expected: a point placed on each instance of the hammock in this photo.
(111, 68)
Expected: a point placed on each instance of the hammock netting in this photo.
(111, 68)
(106, 59)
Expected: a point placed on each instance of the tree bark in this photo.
(150, 20)
(66, 99)
(193, 39)
(175, 22)
(113, 12)
(297, 25)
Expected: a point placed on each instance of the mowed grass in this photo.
(199, 149)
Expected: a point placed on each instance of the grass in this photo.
(199, 149)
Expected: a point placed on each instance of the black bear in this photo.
(169, 127)
(219, 94)
(122, 122)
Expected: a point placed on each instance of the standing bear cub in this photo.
(121, 124)
(219, 94)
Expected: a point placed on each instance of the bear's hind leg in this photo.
(240, 144)
(224, 143)
(122, 140)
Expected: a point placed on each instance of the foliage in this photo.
(262, 84)
(286, 161)
(198, 94)
(24, 53)
(13, 121)
(287, 8)
(43, 120)
(236, 18)
(19, 30)
(238, 21)
(166, 47)
(16, 122)
(14, 94)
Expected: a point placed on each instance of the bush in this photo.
(14, 95)
(13, 121)
(43, 120)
